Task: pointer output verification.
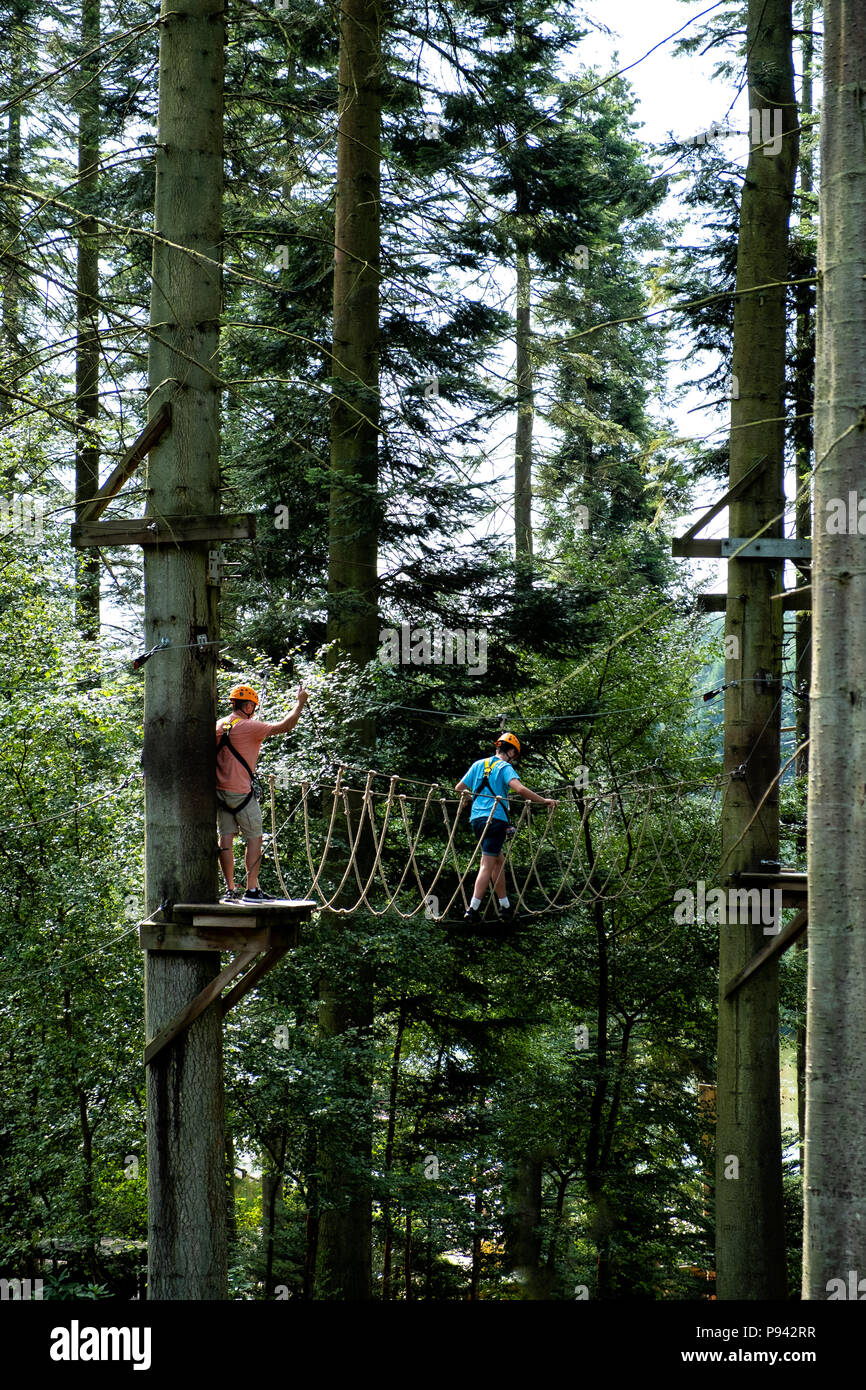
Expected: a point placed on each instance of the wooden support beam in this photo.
(228, 926)
(150, 435)
(744, 548)
(712, 603)
(272, 928)
(197, 1006)
(164, 530)
(185, 937)
(805, 592)
(766, 548)
(791, 880)
(730, 496)
(793, 885)
(262, 966)
(787, 936)
(794, 601)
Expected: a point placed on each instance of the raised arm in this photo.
(530, 795)
(287, 724)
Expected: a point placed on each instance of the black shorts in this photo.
(494, 838)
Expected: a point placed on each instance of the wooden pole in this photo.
(750, 1238)
(185, 1124)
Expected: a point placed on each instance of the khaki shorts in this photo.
(247, 822)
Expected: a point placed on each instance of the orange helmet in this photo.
(244, 692)
(509, 738)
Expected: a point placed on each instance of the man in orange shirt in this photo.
(239, 741)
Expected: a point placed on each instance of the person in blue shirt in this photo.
(488, 782)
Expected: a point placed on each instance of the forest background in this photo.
(518, 1119)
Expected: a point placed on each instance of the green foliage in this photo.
(71, 1106)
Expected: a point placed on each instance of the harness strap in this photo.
(484, 785)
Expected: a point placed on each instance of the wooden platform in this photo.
(227, 926)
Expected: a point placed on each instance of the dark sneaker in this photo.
(472, 914)
(231, 895)
(255, 895)
(507, 914)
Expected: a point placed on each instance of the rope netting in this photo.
(389, 850)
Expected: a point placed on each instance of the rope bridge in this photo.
(371, 848)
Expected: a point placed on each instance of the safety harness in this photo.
(255, 784)
(484, 785)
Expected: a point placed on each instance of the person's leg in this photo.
(252, 860)
(492, 868)
(499, 877)
(227, 859)
(485, 873)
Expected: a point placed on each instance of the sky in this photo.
(677, 97)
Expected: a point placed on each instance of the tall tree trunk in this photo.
(186, 1122)
(523, 370)
(231, 1204)
(750, 1245)
(271, 1183)
(477, 1215)
(387, 1214)
(345, 1225)
(523, 1235)
(525, 417)
(87, 310)
(601, 1219)
(311, 1231)
(11, 225)
(354, 506)
(835, 1186)
(344, 1266)
(804, 379)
